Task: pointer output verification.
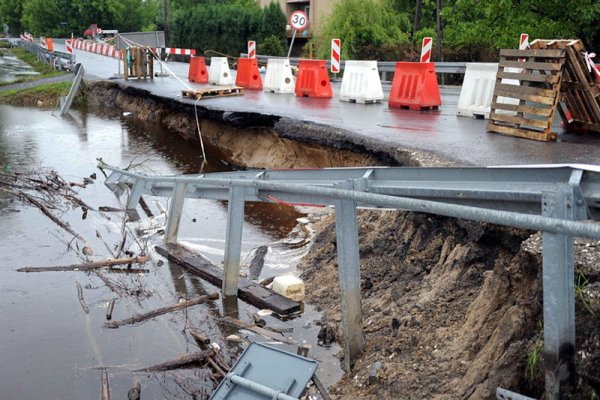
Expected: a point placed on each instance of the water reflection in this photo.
(11, 68)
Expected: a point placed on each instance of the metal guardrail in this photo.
(385, 67)
(58, 59)
(65, 102)
(553, 199)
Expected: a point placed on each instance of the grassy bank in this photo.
(46, 95)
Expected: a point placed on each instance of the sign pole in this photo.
(292, 43)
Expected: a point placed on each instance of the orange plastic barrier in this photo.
(415, 86)
(313, 79)
(248, 75)
(49, 44)
(198, 72)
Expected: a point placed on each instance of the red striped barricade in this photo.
(251, 49)
(426, 47)
(415, 86)
(336, 48)
(313, 79)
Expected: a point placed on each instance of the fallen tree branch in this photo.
(163, 310)
(89, 266)
(110, 309)
(115, 288)
(105, 387)
(81, 299)
(180, 362)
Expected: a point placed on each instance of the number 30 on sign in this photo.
(298, 20)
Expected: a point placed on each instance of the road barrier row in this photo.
(98, 48)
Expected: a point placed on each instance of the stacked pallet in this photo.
(138, 63)
(580, 89)
(547, 77)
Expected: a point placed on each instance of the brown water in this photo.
(51, 349)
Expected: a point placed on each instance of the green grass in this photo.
(45, 70)
(533, 360)
(47, 90)
(581, 282)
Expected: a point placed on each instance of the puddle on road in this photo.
(11, 68)
(50, 348)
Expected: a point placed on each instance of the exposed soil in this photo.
(452, 309)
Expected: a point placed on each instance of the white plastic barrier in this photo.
(361, 82)
(279, 77)
(218, 72)
(478, 88)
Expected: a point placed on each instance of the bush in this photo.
(271, 46)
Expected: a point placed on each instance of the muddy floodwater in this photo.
(50, 348)
(11, 68)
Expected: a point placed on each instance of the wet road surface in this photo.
(440, 132)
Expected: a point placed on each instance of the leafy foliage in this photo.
(226, 26)
(363, 26)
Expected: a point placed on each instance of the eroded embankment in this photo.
(452, 309)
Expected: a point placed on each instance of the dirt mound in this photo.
(452, 309)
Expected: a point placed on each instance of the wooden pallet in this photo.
(219, 91)
(138, 63)
(527, 109)
(248, 290)
(580, 90)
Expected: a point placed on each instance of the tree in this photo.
(366, 28)
(10, 14)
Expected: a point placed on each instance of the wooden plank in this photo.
(577, 66)
(541, 53)
(529, 77)
(516, 94)
(544, 112)
(587, 125)
(551, 93)
(534, 135)
(537, 123)
(556, 44)
(248, 290)
(213, 92)
(539, 66)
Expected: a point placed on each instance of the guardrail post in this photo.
(175, 211)
(233, 241)
(559, 293)
(349, 270)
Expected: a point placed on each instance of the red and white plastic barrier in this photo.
(98, 48)
(524, 41)
(181, 52)
(43, 42)
(426, 47)
(251, 49)
(336, 46)
(69, 45)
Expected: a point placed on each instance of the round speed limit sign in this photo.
(299, 20)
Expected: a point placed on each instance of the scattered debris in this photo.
(257, 263)
(182, 361)
(163, 310)
(110, 308)
(91, 266)
(105, 387)
(136, 390)
(85, 307)
(289, 286)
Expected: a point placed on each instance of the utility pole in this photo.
(439, 33)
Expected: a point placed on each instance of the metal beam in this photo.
(175, 211)
(233, 241)
(349, 275)
(559, 294)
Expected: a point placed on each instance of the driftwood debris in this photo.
(110, 309)
(136, 391)
(163, 310)
(46, 211)
(85, 307)
(256, 329)
(105, 387)
(90, 266)
(202, 340)
(111, 285)
(182, 361)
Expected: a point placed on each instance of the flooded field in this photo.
(11, 68)
(52, 349)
